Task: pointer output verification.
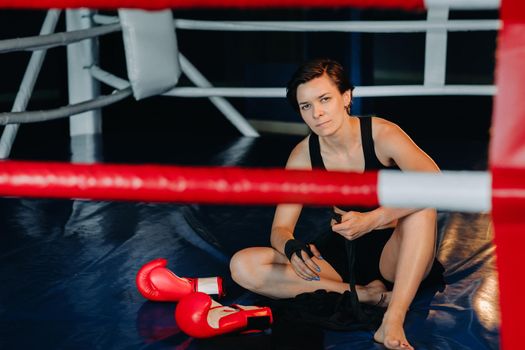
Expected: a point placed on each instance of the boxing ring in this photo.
(70, 257)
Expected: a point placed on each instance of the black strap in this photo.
(258, 323)
(337, 217)
(367, 140)
(354, 300)
(350, 252)
(315, 152)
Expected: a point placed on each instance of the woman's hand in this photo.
(354, 224)
(300, 256)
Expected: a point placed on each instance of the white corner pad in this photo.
(466, 191)
(151, 51)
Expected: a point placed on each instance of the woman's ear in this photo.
(347, 97)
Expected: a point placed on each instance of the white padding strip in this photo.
(464, 4)
(208, 285)
(467, 191)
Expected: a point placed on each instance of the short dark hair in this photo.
(314, 69)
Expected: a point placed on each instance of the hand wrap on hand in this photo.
(337, 217)
(295, 246)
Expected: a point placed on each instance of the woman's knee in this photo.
(244, 265)
(423, 217)
(238, 263)
(428, 215)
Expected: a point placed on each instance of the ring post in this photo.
(507, 161)
(82, 86)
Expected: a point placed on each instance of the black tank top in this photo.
(367, 143)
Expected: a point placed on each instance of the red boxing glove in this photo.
(156, 282)
(192, 317)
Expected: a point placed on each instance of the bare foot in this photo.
(374, 293)
(391, 334)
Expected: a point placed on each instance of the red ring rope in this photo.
(222, 185)
(186, 185)
(162, 4)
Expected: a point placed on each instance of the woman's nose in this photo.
(317, 111)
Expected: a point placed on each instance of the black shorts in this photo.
(368, 253)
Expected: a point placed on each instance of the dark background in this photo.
(252, 59)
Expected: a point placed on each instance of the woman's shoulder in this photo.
(300, 156)
(383, 128)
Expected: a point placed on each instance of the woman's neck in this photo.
(344, 138)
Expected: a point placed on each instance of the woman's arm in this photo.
(285, 219)
(286, 215)
(393, 147)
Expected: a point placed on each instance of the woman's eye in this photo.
(305, 107)
(325, 99)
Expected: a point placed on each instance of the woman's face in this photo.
(322, 106)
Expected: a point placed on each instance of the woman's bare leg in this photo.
(406, 259)
(267, 272)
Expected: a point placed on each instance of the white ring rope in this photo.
(340, 26)
(418, 90)
(327, 26)
(65, 111)
(360, 91)
(28, 82)
(227, 92)
(41, 42)
(465, 4)
(108, 78)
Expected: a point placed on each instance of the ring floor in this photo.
(68, 266)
